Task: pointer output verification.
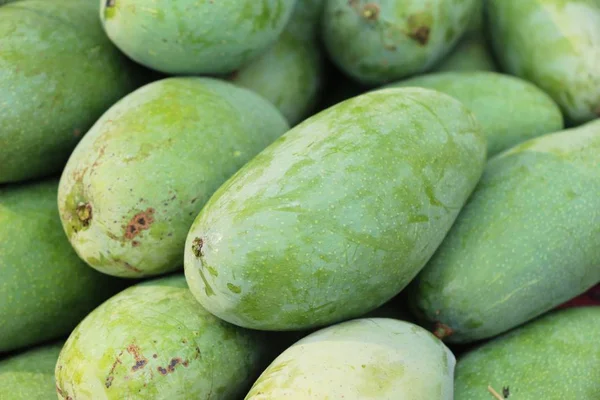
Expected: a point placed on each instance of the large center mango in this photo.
(339, 214)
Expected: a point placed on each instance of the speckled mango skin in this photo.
(30, 375)
(289, 75)
(45, 289)
(510, 110)
(43, 110)
(362, 359)
(191, 37)
(339, 214)
(556, 45)
(380, 41)
(152, 341)
(525, 242)
(556, 357)
(137, 180)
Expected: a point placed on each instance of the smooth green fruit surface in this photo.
(30, 375)
(556, 357)
(471, 54)
(191, 37)
(58, 74)
(288, 75)
(509, 109)
(369, 358)
(339, 214)
(45, 289)
(526, 242)
(381, 41)
(305, 22)
(556, 45)
(137, 180)
(153, 341)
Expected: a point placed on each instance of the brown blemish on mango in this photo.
(442, 331)
(140, 222)
(370, 11)
(197, 247)
(421, 35)
(172, 364)
(140, 360)
(84, 213)
(110, 377)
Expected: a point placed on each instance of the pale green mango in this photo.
(137, 180)
(510, 110)
(368, 358)
(555, 357)
(339, 214)
(192, 37)
(30, 375)
(289, 75)
(45, 289)
(471, 54)
(58, 74)
(153, 341)
(556, 45)
(526, 242)
(380, 41)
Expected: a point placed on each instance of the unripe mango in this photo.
(191, 37)
(45, 289)
(339, 214)
(556, 45)
(555, 357)
(526, 241)
(363, 359)
(153, 341)
(58, 74)
(137, 180)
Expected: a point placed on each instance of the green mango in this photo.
(554, 44)
(525, 242)
(45, 289)
(381, 41)
(153, 341)
(289, 75)
(555, 357)
(58, 74)
(471, 54)
(191, 37)
(367, 358)
(305, 22)
(30, 375)
(509, 109)
(339, 214)
(137, 180)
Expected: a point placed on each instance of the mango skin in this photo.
(191, 37)
(381, 41)
(137, 180)
(43, 110)
(471, 54)
(554, 44)
(491, 274)
(305, 22)
(45, 289)
(289, 75)
(152, 341)
(338, 215)
(367, 358)
(554, 357)
(521, 112)
(30, 375)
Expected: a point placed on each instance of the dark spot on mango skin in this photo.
(172, 364)
(370, 12)
(110, 377)
(140, 222)
(110, 3)
(140, 360)
(442, 331)
(135, 243)
(197, 247)
(506, 392)
(421, 35)
(84, 213)
(129, 266)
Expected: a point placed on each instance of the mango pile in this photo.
(300, 199)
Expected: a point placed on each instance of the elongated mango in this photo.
(137, 180)
(510, 110)
(555, 357)
(556, 45)
(526, 241)
(339, 214)
(152, 341)
(363, 359)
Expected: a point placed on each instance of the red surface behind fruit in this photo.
(589, 298)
